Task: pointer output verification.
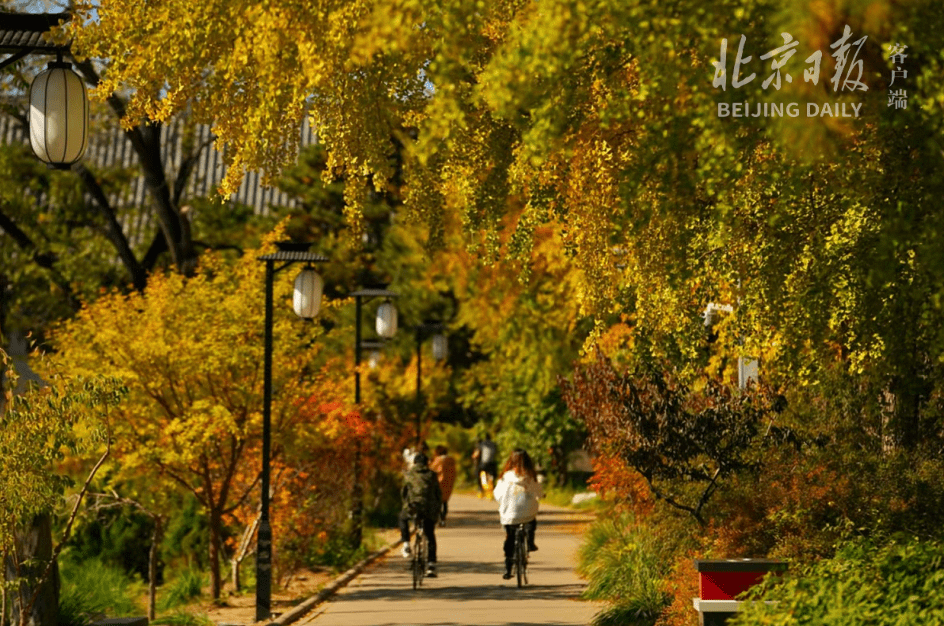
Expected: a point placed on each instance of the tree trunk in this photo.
(357, 497)
(560, 465)
(33, 553)
(152, 565)
(216, 533)
(245, 546)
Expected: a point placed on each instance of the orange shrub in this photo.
(682, 585)
(613, 478)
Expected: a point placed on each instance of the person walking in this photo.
(410, 453)
(486, 465)
(517, 493)
(421, 488)
(445, 468)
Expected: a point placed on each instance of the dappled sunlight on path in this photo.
(469, 588)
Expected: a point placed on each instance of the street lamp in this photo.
(440, 349)
(386, 327)
(306, 303)
(375, 347)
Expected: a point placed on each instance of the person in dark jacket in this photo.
(421, 488)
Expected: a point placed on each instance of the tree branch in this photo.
(28, 609)
(44, 260)
(113, 230)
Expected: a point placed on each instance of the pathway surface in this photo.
(470, 589)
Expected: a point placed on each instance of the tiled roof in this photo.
(20, 30)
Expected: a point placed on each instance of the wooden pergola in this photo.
(22, 34)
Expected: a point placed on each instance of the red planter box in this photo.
(720, 582)
(725, 579)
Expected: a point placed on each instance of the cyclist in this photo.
(421, 488)
(517, 492)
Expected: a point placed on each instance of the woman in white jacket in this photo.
(517, 492)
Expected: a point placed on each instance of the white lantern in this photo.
(440, 347)
(374, 361)
(59, 115)
(307, 299)
(386, 320)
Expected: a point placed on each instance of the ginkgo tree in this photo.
(821, 232)
(190, 352)
(66, 423)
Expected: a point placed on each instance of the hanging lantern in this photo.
(374, 361)
(386, 320)
(440, 347)
(307, 299)
(59, 115)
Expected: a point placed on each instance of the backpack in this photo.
(422, 489)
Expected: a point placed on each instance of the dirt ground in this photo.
(241, 610)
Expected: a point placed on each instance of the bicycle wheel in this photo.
(519, 555)
(418, 560)
(424, 547)
(415, 567)
(524, 557)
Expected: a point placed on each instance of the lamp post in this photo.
(306, 303)
(386, 327)
(375, 347)
(440, 349)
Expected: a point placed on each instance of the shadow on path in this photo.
(489, 519)
(496, 593)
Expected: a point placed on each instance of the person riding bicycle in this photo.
(421, 489)
(517, 492)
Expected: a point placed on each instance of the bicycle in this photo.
(521, 554)
(418, 563)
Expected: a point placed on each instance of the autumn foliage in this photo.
(683, 442)
(190, 352)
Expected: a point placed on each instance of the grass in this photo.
(563, 496)
(624, 565)
(184, 618)
(183, 588)
(92, 588)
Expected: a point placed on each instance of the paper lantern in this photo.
(440, 347)
(307, 299)
(59, 115)
(386, 320)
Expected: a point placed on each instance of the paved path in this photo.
(470, 589)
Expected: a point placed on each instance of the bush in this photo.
(187, 535)
(117, 536)
(335, 552)
(182, 588)
(624, 563)
(91, 588)
(899, 581)
(383, 506)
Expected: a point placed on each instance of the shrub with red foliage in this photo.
(682, 441)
